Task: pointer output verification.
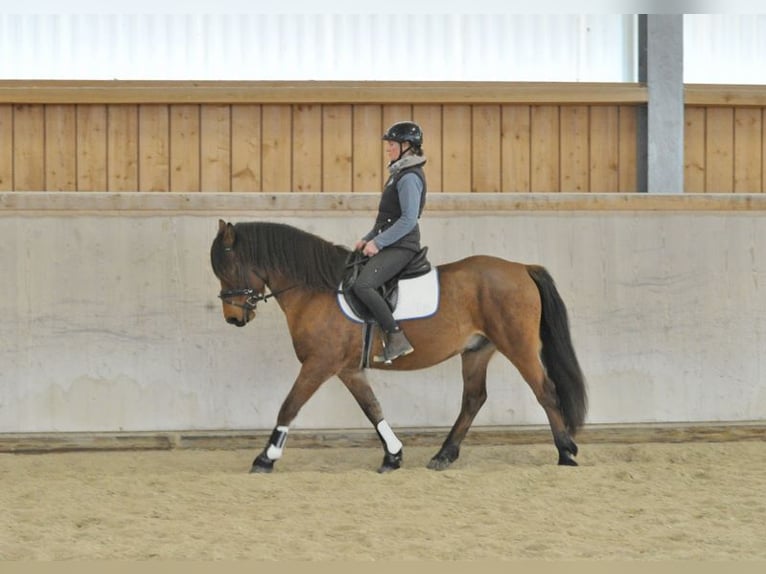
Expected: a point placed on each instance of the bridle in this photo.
(252, 297)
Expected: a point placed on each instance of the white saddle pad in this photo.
(418, 298)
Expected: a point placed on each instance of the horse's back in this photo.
(483, 264)
(492, 281)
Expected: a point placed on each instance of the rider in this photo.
(395, 238)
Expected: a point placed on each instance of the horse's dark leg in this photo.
(356, 382)
(474, 394)
(564, 442)
(308, 381)
(521, 346)
(545, 392)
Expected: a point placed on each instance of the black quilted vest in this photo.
(389, 209)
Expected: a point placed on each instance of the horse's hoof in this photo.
(444, 458)
(391, 462)
(565, 459)
(262, 465)
(437, 463)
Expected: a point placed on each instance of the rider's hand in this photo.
(359, 245)
(370, 249)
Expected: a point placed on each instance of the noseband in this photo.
(251, 297)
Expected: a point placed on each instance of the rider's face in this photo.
(392, 150)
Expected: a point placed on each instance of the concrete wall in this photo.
(110, 319)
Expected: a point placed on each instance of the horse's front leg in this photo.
(309, 380)
(356, 382)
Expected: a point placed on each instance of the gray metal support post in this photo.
(661, 124)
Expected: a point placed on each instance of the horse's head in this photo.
(241, 288)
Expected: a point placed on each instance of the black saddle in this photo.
(418, 265)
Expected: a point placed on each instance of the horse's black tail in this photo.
(558, 354)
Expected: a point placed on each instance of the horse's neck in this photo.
(286, 291)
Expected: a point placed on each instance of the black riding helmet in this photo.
(405, 132)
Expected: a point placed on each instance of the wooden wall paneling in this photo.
(307, 148)
(485, 149)
(246, 147)
(91, 147)
(748, 152)
(185, 147)
(6, 147)
(276, 148)
(215, 147)
(337, 148)
(429, 118)
(368, 148)
(392, 113)
(545, 146)
(60, 147)
(628, 167)
(719, 150)
(604, 149)
(154, 147)
(575, 148)
(122, 147)
(515, 158)
(28, 147)
(694, 149)
(456, 148)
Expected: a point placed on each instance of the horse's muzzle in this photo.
(236, 321)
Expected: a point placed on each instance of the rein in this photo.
(354, 261)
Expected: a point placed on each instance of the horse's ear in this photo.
(227, 231)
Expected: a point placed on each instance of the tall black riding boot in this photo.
(395, 345)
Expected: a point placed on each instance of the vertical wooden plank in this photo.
(185, 147)
(485, 149)
(694, 149)
(91, 147)
(154, 147)
(6, 148)
(429, 118)
(60, 148)
(516, 165)
(337, 174)
(28, 148)
(368, 148)
(307, 148)
(246, 147)
(391, 115)
(545, 148)
(719, 151)
(277, 148)
(628, 166)
(215, 148)
(763, 150)
(122, 147)
(456, 148)
(575, 149)
(747, 150)
(604, 149)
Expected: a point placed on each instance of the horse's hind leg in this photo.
(526, 359)
(475, 363)
(356, 382)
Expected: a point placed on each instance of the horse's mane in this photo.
(295, 254)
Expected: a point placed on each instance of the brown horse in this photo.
(487, 304)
